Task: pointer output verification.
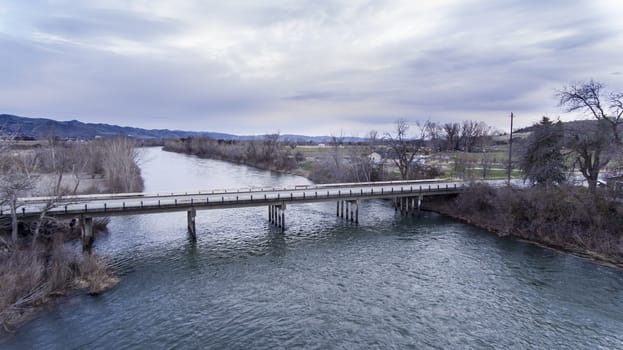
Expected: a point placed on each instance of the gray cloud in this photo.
(308, 67)
(97, 23)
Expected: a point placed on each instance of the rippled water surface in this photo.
(390, 282)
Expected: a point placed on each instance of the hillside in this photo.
(41, 128)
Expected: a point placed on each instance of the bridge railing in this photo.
(103, 206)
(114, 196)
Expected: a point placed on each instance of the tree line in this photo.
(352, 163)
(554, 149)
(22, 173)
(34, 261)
(554, 212)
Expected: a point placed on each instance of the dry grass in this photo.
(30, 276)
(568, 218)
(95, 275)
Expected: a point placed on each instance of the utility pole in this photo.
(510, 151)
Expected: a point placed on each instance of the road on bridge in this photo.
(141, 203)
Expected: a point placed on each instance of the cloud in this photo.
(101, 24)
(306, 67)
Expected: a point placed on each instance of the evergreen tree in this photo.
(542, 161)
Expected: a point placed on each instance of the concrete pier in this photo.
(408, 205)
(348, 209)
(277, 215)
(192, 228)
(86, 228)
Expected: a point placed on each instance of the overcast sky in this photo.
(310, 67)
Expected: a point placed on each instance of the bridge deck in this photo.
(145, 203)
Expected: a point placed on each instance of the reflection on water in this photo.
(389, 282)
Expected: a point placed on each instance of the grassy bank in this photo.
(565, 218)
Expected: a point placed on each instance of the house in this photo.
(375, 158)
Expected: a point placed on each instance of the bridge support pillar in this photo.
(353, 210)
(282, 209)
(192, 228)
(349, 210)
(86, 227)
(277, 215)
(408, 205)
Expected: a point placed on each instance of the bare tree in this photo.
(16, 180)
(589, 98)
(471, 133)
(433, 133)
(422, 132)
(403, 148)
(360, 167)
(452, 135)
(270, 146)
(120, 159)
(67, 161)
(373, 137)
(592, 147)
(336, 144)
(485, 163)
(593, 144)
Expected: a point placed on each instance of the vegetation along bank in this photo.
(36, 264)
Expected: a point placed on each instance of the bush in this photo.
(30, 275)
(566, 217)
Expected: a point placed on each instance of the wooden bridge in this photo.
(407, 196)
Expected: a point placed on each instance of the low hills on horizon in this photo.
(42, 128)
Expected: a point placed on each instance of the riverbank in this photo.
(566, 219)
(31, 277)
(460, 285)
(324, 165)
(36, 262)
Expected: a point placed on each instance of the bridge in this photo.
(407, 197)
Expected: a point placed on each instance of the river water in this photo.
(390, 282)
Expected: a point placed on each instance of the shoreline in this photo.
(589, 255)
(37, 268)
(300, 172)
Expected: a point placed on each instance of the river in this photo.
(389, 282)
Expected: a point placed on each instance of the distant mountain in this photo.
(41, 128)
